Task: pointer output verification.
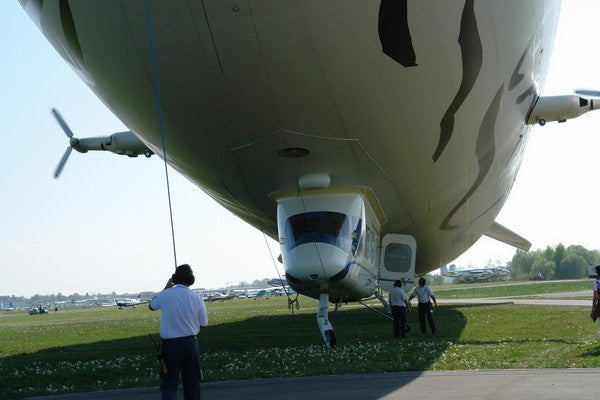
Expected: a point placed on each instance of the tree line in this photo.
(558, 262)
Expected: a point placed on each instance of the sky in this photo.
(104, 225)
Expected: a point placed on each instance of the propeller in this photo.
(62, 162)
(73, 142)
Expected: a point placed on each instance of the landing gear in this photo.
(323, 321)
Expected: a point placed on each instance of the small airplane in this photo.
(218, 296)
(474, 275)
(592, 272)
(37, 310)
(7, 306)
(263, 292)
(277, 282)
(354, 133)
(129, 302)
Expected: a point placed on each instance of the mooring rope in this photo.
(291, 302)
(162, 130)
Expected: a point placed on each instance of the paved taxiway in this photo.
(545, 384)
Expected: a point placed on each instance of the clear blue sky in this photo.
(104, 225)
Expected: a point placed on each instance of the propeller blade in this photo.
(62, 162)
(586, 92)
(62, 123)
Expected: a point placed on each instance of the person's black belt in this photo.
(180, 339)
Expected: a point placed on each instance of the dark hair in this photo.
(183, 274)
(398, 283)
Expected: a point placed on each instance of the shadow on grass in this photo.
(291, 346)
(594, 352)
(256, 347)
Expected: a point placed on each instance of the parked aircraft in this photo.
(263, 292)
(6, 306)
(277, 282)
(475, 275)
(37, 310)
(353, 132)
(592, 271)
(214, 296)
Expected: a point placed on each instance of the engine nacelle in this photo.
(128, 144)
(125, 143)
(560, 108)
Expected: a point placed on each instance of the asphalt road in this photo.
(548, 384)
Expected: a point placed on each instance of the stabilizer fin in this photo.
(505, 235)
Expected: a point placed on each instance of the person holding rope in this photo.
(183, 313)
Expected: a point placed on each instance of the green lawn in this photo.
(107, 348)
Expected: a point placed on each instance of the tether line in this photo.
(162, 131)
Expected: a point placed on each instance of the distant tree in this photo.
(572, 266)
(260, 282)
(549, 253)
(592, 257)
(567, 263)
(521, 263)
(559, 254)
(434, 279)
(544, 267)
(73, 297)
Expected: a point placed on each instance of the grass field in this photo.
(511, 289)
(107, 348)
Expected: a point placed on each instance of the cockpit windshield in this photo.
(320, 226)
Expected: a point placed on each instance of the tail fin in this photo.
(505, 235)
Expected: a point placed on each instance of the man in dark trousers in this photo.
(596, 292)
(399, 304)
(424, 296)
(183, 314)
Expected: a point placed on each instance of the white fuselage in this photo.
(421, 103)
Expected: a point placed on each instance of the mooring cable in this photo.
(212, 37)
(291, 302)
(162, 130)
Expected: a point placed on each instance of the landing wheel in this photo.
(330, 337)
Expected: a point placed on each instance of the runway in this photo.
(545, 384)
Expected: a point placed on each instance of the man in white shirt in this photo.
(399, 303)
(424, 295)
(183, 313)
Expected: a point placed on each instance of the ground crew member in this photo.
(183, 313)
(424, 296)
(399, 304)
